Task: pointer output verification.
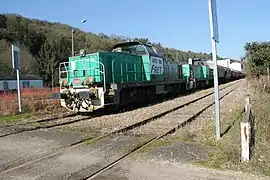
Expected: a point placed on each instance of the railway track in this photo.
(173, 126)
(52, 122)
(125, 129)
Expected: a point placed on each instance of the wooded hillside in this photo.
(44, 44)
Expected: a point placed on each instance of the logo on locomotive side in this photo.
(156, 65)
(76, 81)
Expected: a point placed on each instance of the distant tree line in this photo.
(45, 44)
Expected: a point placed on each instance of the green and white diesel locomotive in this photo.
(131, 72)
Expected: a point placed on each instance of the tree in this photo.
(47, 59)
(50, 43)
(258, 57)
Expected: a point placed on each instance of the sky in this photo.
(179, 24)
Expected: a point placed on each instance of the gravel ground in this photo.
(26, 146)
(171, 160)
(108, 123)
(207, 119)
(175, 118)
(86, 159)
(76, 162)
(162, 170)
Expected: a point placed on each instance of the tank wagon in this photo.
(131, 72)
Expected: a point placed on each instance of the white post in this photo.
(214, 39)
(245, 139)
(19, 90)
(247, 103)
(245, 126)
(15, 50)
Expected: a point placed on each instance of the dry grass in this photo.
(33, 100)
(226, 153)
(261, 84)
(261, 112)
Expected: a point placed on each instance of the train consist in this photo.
(131, 72)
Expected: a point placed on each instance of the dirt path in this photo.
(162, 170)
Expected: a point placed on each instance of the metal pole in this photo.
(214, 57)
(72, 48)
(214, 39)
(19, 90)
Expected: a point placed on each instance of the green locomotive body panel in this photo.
(124, 68)
(198, 72)
(186, 68)
(114, 67)
(81, 67)
(171, 72)
(153, 63)
(207, 72)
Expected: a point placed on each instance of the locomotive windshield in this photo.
(136, 48)
(133, 48)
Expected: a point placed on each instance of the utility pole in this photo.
(72, 45)
(72, 37)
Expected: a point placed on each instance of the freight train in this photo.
(131, 72)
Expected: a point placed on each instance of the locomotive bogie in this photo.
(82, 100)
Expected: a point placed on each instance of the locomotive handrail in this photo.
(121, 67)
(83, 62)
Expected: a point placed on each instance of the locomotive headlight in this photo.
(89, 80)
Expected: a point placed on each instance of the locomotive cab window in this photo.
(151, 50)
(132, 49)
(140, 50)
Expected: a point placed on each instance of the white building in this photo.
(229, 63)
(232, 64)
(9, 82)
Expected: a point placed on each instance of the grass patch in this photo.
(78, 129)
(156, 144)
(226, 153)
(92, 141)
(15, 118)
(67, 128)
